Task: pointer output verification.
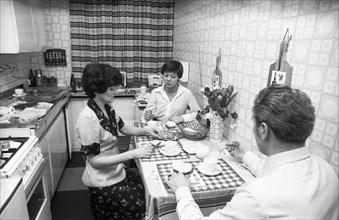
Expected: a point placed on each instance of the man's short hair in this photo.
(287, 111)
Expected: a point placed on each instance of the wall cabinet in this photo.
(22, 26)
(53, 145)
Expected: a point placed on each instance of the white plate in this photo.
(189, 148)
(176, 152)
(182, 167)
(215, 172)
(17, 96)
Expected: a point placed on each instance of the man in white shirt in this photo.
(291, 183)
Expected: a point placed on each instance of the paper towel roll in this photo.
(185, 75)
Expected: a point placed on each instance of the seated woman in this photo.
(115, 192)
(171, 101)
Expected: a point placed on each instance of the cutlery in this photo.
(155, 146)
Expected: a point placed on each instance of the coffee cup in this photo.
(19, 92)
(170, 146)
(210, 163)
(202, 151)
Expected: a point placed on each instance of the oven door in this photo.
(38, 201)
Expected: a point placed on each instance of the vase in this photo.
(216, 127)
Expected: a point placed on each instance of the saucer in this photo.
(215, 172)
(190, 149)
(176, 152)
(17, 96)
(182, 167)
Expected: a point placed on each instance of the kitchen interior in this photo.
(40, 54)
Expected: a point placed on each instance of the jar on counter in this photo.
(38, 77)
(143, 90)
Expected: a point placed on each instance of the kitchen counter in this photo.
(131, 92)
(59, 100)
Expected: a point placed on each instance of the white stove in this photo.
(21, 157)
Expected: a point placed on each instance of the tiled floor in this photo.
(71, 199)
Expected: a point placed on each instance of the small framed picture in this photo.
(78, 84)
(216, 81)
(278, 77)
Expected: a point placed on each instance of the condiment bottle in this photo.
(143, 90)
(73, 84)
(32, 80)
(38, 77)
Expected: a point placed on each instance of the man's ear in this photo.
(263, 131)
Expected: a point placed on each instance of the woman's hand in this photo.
(141, 152)
(176, 180)
(177, 119)
(148, 116)
(154, 131)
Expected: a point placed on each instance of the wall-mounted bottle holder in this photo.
(55, 57)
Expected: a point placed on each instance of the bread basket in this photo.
(194, 130)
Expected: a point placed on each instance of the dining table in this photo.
(210, 192)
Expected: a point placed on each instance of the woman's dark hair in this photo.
(173, 66)
(97, 77)
(288, 112)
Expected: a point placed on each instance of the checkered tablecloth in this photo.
(227, 179)
(156, 155)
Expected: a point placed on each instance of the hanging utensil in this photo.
(280, 71)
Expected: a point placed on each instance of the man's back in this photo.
(299, 189)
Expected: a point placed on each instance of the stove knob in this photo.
(23, 167)
(29, 162)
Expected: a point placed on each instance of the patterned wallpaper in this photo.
(249, 34)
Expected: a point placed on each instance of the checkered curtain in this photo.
(134, 36)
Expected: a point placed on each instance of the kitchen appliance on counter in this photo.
(21, 157)
(154, 80)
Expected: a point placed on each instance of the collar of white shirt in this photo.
(284, 158)
(181, 89)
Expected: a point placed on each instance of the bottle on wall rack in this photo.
(217, 74)
(73, 84)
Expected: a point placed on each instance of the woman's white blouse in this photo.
(89, 132)
(183, 104)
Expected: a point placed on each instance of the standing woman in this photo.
(115, 192)
(171, 101)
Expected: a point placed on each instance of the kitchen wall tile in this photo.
(334, 159)
(325, 25)
(328, 107)
(319, 150)
(315, 77)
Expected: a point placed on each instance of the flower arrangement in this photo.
(218, 100)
